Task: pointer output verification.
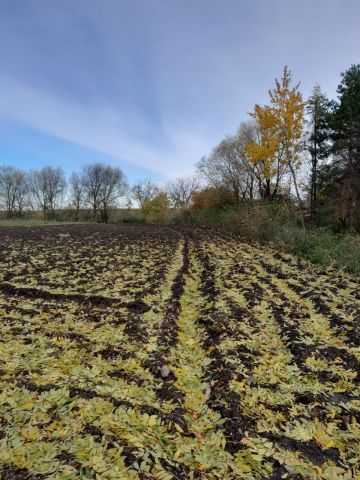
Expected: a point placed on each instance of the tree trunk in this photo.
(105, 214)
(313, 199)
(251, 193)
(298, 195)
(267, 190)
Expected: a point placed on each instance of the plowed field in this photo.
(143, 352)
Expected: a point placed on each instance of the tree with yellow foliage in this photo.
(289, 109)
(280, 127)
(263, 153)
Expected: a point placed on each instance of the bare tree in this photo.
(181, 190)
(76, 193)
(47, 188)
(103, 185)
(13, 190)
(245, 134)
(91, 180)
(114, 187)
(144, 191)
(227, 165)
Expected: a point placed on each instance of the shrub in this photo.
(273, 223)
(212, 198)
(126, 215)
(157, 209)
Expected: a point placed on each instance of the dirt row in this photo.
(206, 358)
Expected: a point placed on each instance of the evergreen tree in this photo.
(346, 143)
(318, 139)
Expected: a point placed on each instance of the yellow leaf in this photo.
(30, 433)
(239, 384)
(330, 444)
(178, 428)
(339, 389)
(153, 420)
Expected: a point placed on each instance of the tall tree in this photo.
(180, 191)
(91, 180)
(277, 150)
(114, 186)
(289, 107)
(144, 191)
(317, 139)
(102, 185)
(346, 137)
(47, 187)
(13, 190)
(266, 163)
(228, 164)
(76, 193)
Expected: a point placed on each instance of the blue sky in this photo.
(152, 85)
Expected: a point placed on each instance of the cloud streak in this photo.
(158, 83)
(100, 129)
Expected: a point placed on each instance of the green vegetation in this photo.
(273, 224)
(30, 222)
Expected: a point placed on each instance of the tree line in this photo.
(302, 151)
(96, 187)
(316, 139)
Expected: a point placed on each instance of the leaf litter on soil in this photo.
(142, 352)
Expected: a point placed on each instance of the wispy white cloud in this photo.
(101, 129)
(157, 84)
